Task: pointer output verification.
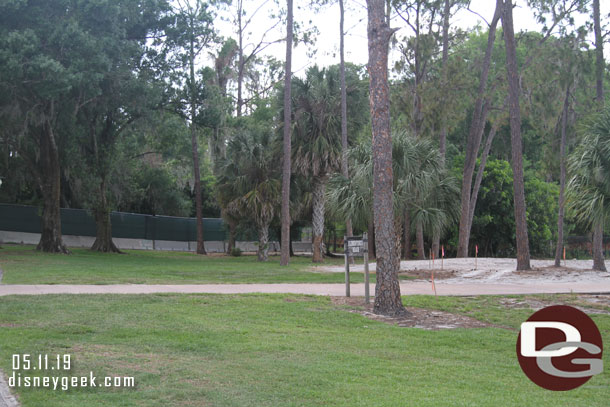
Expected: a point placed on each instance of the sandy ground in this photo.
(493, 271)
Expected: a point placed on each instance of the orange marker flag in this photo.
(443, 250)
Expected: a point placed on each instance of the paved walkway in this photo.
(406, 288)
(6, 398)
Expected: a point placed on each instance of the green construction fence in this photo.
(80, 222)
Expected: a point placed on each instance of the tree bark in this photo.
(523, 254)
(599, 54)
(598, 229)
(319, 187)
(285, 254)
(103, 227)
(344, 146)
(419, 237)
(598, 248)
(371, 241)
(481, 172)
(387, 288)
(240, 63)
(195, 145)
(406, 230)
(442, 141)
(263, 242)
(562, 178)
(50, 237)
(232, 234)
(474, 137)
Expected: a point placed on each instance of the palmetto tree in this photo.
(421, 187)
(250, 183)
(316, 144)
(588, 192)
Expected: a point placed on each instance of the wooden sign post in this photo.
(356, 246)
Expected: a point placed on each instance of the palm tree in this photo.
(588, 192)
(426, 193)
(250, 182)
(422, 188)
(316, 145)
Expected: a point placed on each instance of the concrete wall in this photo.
(142, 244)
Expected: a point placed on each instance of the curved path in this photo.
(407, 288)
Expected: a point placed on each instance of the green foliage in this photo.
(316, 138)
(420, 185)
(249, 182)
(493, 225)
(236, 252)
(589, 166)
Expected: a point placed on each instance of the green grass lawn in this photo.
(24, 265)
(277, 350)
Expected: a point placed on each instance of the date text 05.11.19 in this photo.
(28, 361)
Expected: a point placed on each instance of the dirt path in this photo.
(495, 270)
(406, 288)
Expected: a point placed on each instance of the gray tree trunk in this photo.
(562, 178)
(319, 200)
(344, 145)
(481, 172)
(598, 248)
(436, 239)
(474, 137)
(263, 242)
(406, 230)
(103, 228)
(419, 237)
(387, 288)
(50, 180)
(195, 146)
(598, 229)
(523, 253)
(286, 165)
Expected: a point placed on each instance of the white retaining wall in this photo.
(143, 244)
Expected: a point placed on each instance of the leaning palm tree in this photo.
(316, 144)
(249, 183)
(588, 192)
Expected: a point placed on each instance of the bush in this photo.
(235, 252)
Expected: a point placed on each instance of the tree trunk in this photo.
(195, 146)
(562, 178)
(598, 248)
(419, 236)
(371, 241)
(481, 172)
(406, 230)
(50, 172)
(436, 239)
(344, 146)
(286, 168)
(232, 234)
(263, 242)
(474, 137)
(387, 288)
(598, 229)
(318, 190)
(599, 56)
(240, 62)
(523, 253)
(103, 228)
